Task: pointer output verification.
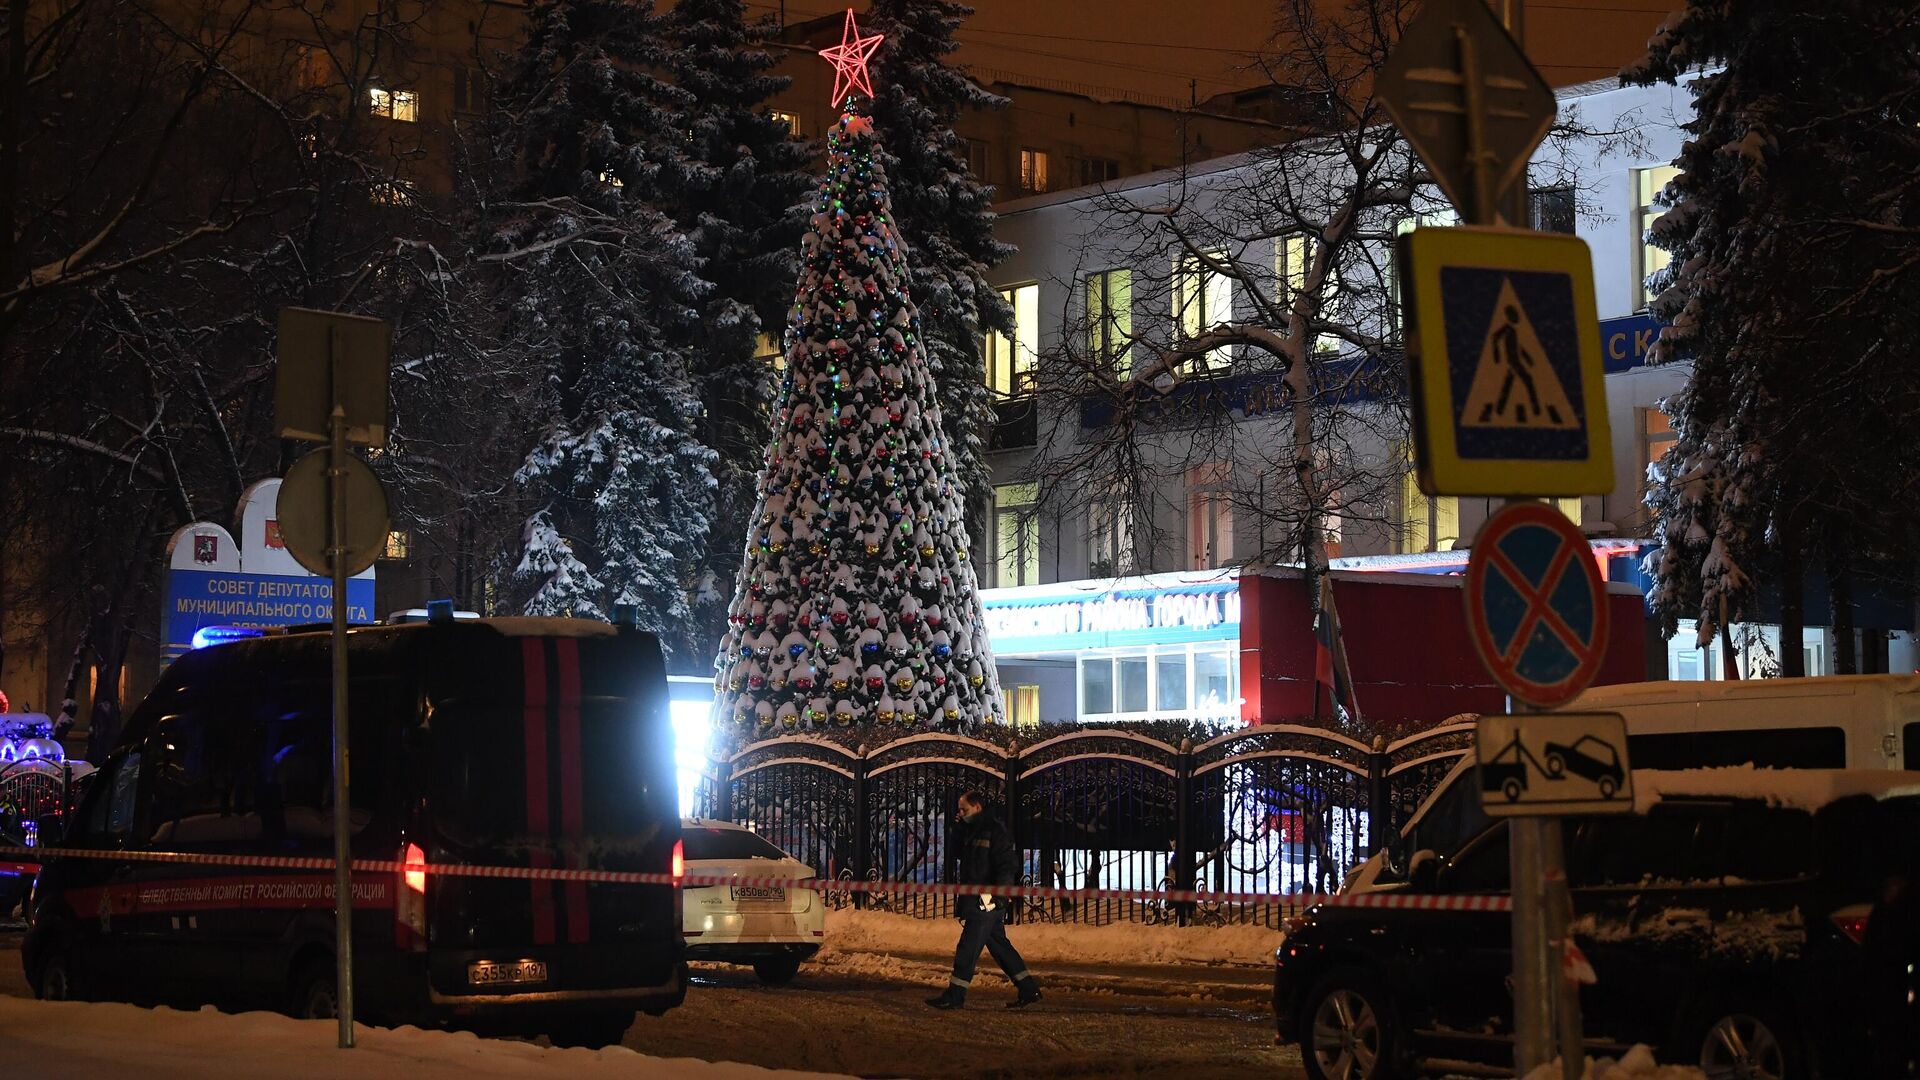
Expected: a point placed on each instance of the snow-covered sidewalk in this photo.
(851, 931)
(109, 1042)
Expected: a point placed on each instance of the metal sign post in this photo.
(342, 807)
(318, 350)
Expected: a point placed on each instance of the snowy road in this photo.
(861, 1013)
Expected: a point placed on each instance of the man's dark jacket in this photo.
(985, 855)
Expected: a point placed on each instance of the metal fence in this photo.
(35, 797)
(1273, 809)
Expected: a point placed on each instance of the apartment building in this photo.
(1099, 616)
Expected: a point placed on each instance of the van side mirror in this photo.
(1423, 870)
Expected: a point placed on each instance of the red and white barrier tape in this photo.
(1420, 902)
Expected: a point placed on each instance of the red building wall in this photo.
(1407, 647)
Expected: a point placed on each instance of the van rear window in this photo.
(1768, 748)
(727, 844)
(1910, 738)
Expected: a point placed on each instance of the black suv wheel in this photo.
(1349, 1030)
(1740, 1040)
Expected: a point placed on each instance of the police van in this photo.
(513, 742)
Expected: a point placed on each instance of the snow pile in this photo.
(106, 1042)
(852, 931)
(1636, 1064)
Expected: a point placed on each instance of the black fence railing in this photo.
(1273, 809)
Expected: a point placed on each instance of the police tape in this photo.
(1406, 901)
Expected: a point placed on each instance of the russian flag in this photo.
(1330, 656)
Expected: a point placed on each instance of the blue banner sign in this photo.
(197, 598)
(1625, 343)
(1018, 625)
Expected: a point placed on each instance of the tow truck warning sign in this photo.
(1534, 764)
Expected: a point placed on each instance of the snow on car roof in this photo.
(1741, 689)
(1800, 789)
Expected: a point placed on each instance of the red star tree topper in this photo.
(849, 60)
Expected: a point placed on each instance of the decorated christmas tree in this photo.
(856, 603)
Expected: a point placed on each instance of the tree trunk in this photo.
(1793, 611)
(1846, 654)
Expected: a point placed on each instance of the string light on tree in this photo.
(857, 602)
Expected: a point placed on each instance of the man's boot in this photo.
(1029, 992)
(953, 997)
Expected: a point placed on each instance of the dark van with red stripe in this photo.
(499, 742)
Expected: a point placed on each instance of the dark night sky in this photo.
(1157, 46)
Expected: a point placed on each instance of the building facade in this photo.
(1197, 528)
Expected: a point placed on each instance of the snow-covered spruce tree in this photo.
(737, 187)
(944, 212)
(1791, 228)
(598, 286)
(857, 602)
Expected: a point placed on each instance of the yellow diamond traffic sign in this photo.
(1503, 358)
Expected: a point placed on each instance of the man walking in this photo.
(986, 856)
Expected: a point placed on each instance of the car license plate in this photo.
(759, 892)
(511, 972)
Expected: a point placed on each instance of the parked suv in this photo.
(1753, 922)
(507, 742)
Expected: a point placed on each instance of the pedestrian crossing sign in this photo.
(1503, 358)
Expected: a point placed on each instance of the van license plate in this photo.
(517, 971)
(759, 892)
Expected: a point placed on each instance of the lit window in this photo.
(312, 67)
(1010, 361)
(608, 178)
(1033, 170)
(1110, 318)
(394, 104)
(1023, 706)
(1204, 299)
(399, 544)
(1647, 185)
(1210, 515)
(1431, 523)
(391, 193)
(1176, 682)
(1401, 227)
(792, 120)
(766, 349)
(1016, 535)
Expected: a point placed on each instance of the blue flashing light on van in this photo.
(219, 635)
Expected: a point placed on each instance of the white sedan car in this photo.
(772, 927)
